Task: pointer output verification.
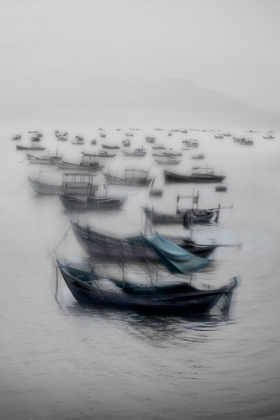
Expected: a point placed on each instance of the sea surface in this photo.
(59, 361)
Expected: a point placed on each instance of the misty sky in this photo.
(231, 46)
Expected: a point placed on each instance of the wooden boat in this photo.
(221, 188)
(155, 192)
(126, 143)
(32, 147)
(158, 147)
(140, 152)
(218, 136)
(182, 217)
(91, 289)
(129, 134)
(191, 143)
(150, 139)
(200, 156)
(172, 154)
(107, 146)
(91, 202)
(133, 177)
(169, 161)
(45, 160)
(100, 154)
(83, 165)
(269, 137)
(72, 184)
(99, 246)
(207, 175)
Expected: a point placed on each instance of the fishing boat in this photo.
(227, 135)
(32, 147)
(246, 142)
(207, 175)
(102, 153)
(102, 135)
(191, 143)
(132, 177)
(91, 202)
(150, 139)
(78, 140)
(172, 154)
(87, 164)
(126, 143)
(200, 156)
(140, 152)
(175, 298)
(167, 161)
(269, 137)
(153, 191)
(221, 188)
(17, 137)
(100, 246)
(72, 184)
(62, 138)
(93, 142)
(158, 147)
(129, 134)
(218, 136)
(48, 159)
(107, 146)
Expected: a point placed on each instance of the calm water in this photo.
(59, 361)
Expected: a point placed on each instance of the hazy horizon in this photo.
(52, 48)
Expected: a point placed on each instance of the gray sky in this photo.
(231, 46)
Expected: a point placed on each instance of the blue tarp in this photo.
(175, 259)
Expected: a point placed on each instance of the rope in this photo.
(56, 247)
(18, 189)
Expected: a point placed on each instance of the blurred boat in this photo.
(207, 175)
(32, 147)
(174, 298)
(17, 137)
(155, 192)
(191, 143)
(158, 147)
(100, 154)
(150, 139)
(133, 177)
(72, 184)
(139, 152)
(91, 202)
(269, 137)
(83, 165)
(218, 136)
(221, 188)
(107, 146)
(126, 143)
(168, 161)
(200, 156)
(48, 159)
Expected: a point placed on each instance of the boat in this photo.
(78, 141)
(91, 202)
(269, 137)
(200, 156)
(83, 165)
(100, 246)
(107, 146)
(183, 217)
(62, 138)
(150, 139)
(140, 152)
(218, 136)
(221, 188)
(93, 142)
(191, 143)
(174, 298)
(100, 154)
(172, 154)
(72, 184)
(126, 143)
(17, 137)
(35, 139)
(133, 177)
(48, 159)
(170, 134)
(129, 134)
(207, 175)
(102, 135)
(167, 161)
(32, 147)
(155, 192)
(246, 142)
(158, 147)
(227, 135)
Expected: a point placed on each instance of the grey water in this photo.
(59, 361)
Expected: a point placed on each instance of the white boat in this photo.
(137, 152)
(72, 184)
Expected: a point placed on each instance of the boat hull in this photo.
(195, 178)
